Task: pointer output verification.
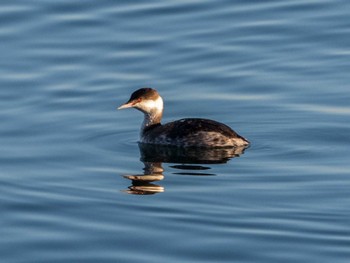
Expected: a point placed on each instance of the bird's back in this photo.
(193, 132)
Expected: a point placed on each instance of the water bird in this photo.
(188, 132)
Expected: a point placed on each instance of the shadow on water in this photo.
(189, 160)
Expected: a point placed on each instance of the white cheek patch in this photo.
(151, 104)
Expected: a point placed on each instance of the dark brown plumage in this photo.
(191, 132)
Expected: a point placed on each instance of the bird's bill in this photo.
(125, 106)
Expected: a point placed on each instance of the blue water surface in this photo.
(275, 71)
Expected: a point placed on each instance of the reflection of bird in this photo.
(141, 183)
(189, 155)
(189, 160)
(185, 132)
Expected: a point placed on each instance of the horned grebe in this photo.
(191, 132)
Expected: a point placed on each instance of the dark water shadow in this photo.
(191, 161)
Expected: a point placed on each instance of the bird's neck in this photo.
(151, 118)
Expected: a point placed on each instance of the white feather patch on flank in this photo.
(204, 138)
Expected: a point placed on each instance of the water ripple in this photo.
(277, 72)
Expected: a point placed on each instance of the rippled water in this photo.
(276, 71)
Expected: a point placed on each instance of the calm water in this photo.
(276, 71)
